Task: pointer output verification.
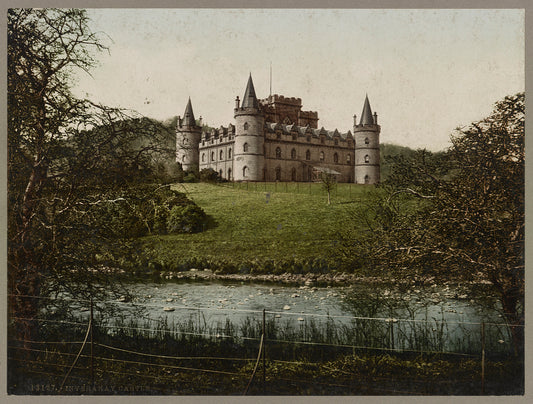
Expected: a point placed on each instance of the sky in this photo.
(426, 72)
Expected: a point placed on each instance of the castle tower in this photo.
(366, 135)
(249, 160)
(187, 140)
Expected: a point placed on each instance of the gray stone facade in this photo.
(274, 140)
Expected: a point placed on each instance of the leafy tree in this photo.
(459, 214)
(66, 159)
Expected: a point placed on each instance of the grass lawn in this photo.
(262, 221)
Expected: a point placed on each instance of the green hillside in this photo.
(259, 223)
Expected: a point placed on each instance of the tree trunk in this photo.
(515, 321)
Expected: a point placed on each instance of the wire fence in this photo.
(109, 350)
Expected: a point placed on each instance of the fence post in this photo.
(392, 334)
(92, 362)
(264, 354)
(483, 358)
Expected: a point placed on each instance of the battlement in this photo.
(276, 98)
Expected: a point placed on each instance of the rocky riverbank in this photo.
(288, 279)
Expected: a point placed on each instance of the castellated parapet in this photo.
(274, 140)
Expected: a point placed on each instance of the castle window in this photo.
(221, 154)
(245, 172)
(321, 156)
(348, 158)
(278, 153)
(308, 155)
(294, 136)
(229, 174)
(367, 159)
(367, 179)
(293, 154)
(367, 141)
(203, 157)
(278, 173)
(308, 138)
(293, 174)
(336, 142)
(245, 147)
(220, 173)
(335, 158)
(322, 139)
(212, 156)
(245, 125)
(229, 153)
(278, 135)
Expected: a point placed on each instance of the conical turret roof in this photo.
(366, 115)
(250, 100)
(188, 116)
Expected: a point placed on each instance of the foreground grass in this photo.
(260, 222)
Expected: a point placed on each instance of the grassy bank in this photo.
(189, 359)
(289, 226)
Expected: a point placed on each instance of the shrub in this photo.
(190, 176)
(186, 219)
(209, 175)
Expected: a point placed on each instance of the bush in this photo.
(190, 176)
(209, 175)
(186, 219)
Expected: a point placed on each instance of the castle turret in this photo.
(367, 159)
(249, 161)
(187, 140)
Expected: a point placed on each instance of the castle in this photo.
(274, 140)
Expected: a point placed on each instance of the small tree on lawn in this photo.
(329, 182)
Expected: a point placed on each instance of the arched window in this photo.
(335, 158)
(367, 179)
(278, 173)
(293, 154)
(293, 174)
(229, 174)
(221, 154)
(308, 155)
(245, 125)
(212, 156)
(367, 141)
(278, 153)
(183, 158)
(220, 173)
(245, 172)
(367, 159)
(245, 147)
(348, 158)
(203, 157)
(229, 153)
(321, 156)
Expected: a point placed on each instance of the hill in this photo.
(260, 227)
